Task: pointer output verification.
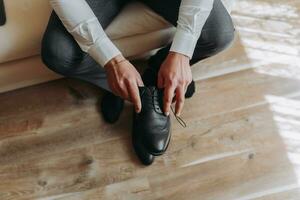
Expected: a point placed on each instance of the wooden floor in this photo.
(242, 141)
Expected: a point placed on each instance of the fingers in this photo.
(168, 96)
(123, 80)
(185, 88)
(114, 89)
(134, 94)
(120, 89)
(160, 81)
(140, 82)
(179, 100)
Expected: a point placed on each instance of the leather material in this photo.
(139, 148)
(111, 107)
(23, 73)
(23, 30)
(151, 124)
(190, 91)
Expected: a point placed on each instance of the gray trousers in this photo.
(61, 53)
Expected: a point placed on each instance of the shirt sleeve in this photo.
(81, 22)
(192, 17)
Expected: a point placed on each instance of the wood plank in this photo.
(241, 142)
(92, 163)
(292, 194)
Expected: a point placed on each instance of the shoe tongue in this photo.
(151, 89)
(142, 89)
(148, 92)
(159, 93)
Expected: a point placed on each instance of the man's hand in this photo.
(174, 76)
(124, 79)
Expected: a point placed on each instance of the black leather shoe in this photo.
(151, 124)
(139, 148)
(111, 107)
(190, 90)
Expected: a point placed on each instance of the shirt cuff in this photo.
(103, 51)
(184, 43)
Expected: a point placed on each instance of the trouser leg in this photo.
(61, 53)
(216, 35)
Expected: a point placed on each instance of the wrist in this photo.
(177, 55)
(115, 61)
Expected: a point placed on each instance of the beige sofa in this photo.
(135, 33)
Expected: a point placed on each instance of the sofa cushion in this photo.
(27, 19)
(136, 18)
(21, 35)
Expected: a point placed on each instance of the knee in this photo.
(222, 41)
(58, 54)
(213, 43)
(218, 33)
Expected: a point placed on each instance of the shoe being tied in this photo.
(142, 153)
(151, 124)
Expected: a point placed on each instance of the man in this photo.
(75, 45)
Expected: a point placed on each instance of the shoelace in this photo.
(179, 119)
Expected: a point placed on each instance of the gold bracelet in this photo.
(116, 61)
(120, 61)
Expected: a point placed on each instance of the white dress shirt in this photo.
(81, 22)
